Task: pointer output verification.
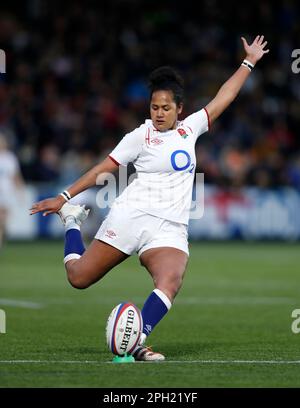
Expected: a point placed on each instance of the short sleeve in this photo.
(198, 122)
(128, 148)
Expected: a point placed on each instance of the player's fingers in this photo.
(264, 44)
(47, 213)
(261, 40)
(265, 51)
(35, 210)
(34, 206)
(39, 205)
(244, 41)
(256, 39)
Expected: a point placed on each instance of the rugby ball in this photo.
(123, 329)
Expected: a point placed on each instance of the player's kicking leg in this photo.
(167, 266)
(85, 266)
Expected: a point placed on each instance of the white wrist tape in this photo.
(66, 195)
(247, 64)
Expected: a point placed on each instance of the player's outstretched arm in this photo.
(52, 205)
(229, 90)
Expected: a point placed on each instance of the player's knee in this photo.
(175, 286)
(171, 285)
(78, 282)
(77, 278)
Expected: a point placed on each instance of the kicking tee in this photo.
(165, 164)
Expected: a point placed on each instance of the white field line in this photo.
(20, 303)
(246, 300)
(87, 362)
(243, 300)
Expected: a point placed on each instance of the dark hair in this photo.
(168, 79)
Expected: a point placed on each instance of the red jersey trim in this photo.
(208, 120)
(114, 160)
(147, 137)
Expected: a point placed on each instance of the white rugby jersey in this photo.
(9, 167)
(165, 164)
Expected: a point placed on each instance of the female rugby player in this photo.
(151, 216)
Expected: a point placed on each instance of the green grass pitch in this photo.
(230, 325)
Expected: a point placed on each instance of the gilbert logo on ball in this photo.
(123, 328)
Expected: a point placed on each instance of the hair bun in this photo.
(163, 75)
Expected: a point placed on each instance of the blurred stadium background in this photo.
(75, 84)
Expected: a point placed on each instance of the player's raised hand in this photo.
(255, 51)
(48, 206)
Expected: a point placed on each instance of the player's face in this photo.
(164, 110)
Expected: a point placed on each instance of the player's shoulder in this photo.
(199, 121)
(195, 114)
(8, 157)
(141, 129)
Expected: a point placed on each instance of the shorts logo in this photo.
(182, 133)
(110, 234)
(157, 141)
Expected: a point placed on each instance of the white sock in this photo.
(142, 339)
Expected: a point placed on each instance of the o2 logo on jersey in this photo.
(181, 160)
